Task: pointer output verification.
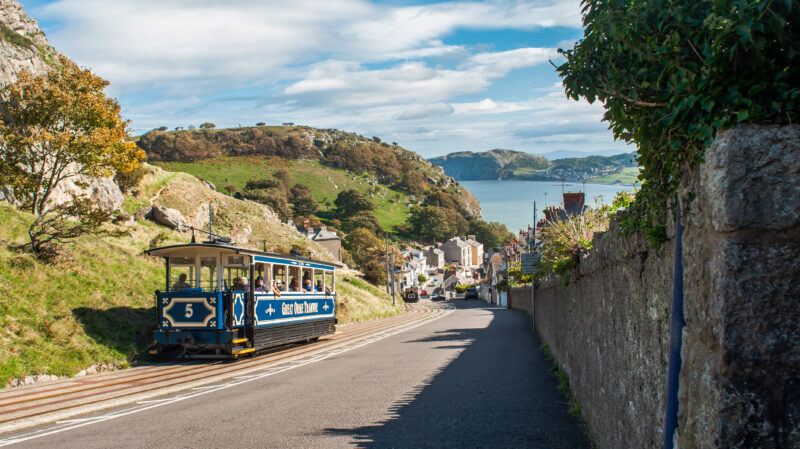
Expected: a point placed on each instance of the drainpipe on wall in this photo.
(675, 335)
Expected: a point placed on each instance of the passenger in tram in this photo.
(181, 285)
(307, 285)
(318, 287)
(260, 285)
(240, 284)
(294, 285)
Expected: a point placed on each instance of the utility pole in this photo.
(388, 271)
(532, 248)
(394, 299)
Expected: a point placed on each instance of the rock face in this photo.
(23, 45)
(171, 218)
(104, 191)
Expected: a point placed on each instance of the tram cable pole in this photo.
(532, 249)
(394, 300)
(388, 272)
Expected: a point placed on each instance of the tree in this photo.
(350, 202)
(368, 253)
(207, 125)
(671, 75)
(365, 219)
(437, 223)
(491, 234)
(304, 206)
(56, 127)
(261, 124)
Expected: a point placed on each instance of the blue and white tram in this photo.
(213, 304)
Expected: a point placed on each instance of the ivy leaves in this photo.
(671, 74)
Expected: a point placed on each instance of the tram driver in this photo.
(181, 284)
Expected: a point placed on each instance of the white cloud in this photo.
(417, 112)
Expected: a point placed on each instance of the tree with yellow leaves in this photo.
(56, 127)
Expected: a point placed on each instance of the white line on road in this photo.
(147, 405)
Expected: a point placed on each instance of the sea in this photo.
(510, 202)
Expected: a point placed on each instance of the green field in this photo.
(627, 175)
(234, 172)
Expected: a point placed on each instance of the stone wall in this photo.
(609, 330)
(740, 380)
(520, 298)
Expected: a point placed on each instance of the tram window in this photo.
(319, 282)
(181, 273)
(235, 260)
(308, 280)
(263, 271)
(279, 274)
(329, 285)
(294, 279)
(235, 278)
(208, 273)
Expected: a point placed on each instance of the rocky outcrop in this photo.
(106, 194)
(170, 218)
(23, 45)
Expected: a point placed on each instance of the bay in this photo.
(510, 202)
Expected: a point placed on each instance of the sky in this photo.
(435, 77)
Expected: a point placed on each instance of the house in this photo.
(434, 257)
(476, 248)
(457, 250)
(574, 204)
(326, 239)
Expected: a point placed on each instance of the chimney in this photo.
(306, 223)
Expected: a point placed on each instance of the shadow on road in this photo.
(497, 392)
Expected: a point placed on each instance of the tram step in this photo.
(239, 340)
(238, 350)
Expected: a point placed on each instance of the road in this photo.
(474, 378)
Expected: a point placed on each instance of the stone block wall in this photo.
(740, 379)
(609, 330)
(520, 298)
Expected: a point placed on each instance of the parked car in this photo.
(423, 293)
(438, 298)
(471, 293)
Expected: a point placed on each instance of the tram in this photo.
(222, 301)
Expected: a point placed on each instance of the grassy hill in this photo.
(95, 305)
(324, 182)
(387, 164)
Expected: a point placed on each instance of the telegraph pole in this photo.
(394, 299)
(388, 271)
(532, 248)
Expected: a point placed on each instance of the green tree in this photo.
(207, 125)
(491, 234)
(437, 223)
(57, 127)
(671, 74)
(365, 219)
(350, 202)
(368, 253)
(304, 206)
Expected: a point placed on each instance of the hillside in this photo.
(374, 161)
(492, 164)
(508, 164)
(94, 305)
(23, 45)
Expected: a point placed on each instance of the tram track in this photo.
(60, 400)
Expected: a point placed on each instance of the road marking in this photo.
(70, 424)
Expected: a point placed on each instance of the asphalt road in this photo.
(475, 378)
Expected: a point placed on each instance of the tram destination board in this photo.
(528, 262)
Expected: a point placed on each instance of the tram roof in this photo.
(165, 251)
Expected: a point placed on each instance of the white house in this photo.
(457, 250)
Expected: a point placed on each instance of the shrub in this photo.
(672, 74)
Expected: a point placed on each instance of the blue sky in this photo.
(436, 77)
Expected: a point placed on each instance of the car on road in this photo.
(423, 293)
(438, 298)
(471, 293)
